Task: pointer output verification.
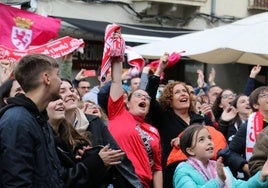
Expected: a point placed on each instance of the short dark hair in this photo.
(234, 102)
(81, 80)
(67, 80)
(187, 137)
(28, 70)
(254, 96)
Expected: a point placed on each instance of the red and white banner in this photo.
(135, 60)
(114, 46)
(55, 49)
(20, 28)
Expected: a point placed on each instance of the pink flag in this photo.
(172, 60)
(20, 28)
(114, 46)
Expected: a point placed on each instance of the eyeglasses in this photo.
(226, 96)
(261, 95)
(139, 95)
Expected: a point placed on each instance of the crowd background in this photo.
(127, 131)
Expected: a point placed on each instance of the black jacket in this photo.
(76, 175)
(168, 123)
(235, 156)
(169, 126)
(228, 129)
(27, 153)
(121, 175)
(28, 157)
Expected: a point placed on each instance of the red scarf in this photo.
(113, 47)
(254, 127)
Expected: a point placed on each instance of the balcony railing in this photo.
(258, 4)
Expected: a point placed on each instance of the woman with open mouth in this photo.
(138, 139)
(170, 114)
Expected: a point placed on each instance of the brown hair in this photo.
(187, 137)
(166, 97)
(71, 137)
(254, 96)
(103, 114)
(28, 70)
(216, 109)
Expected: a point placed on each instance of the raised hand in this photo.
(264, 171)
(255, 71)
(146, 69)
(206, 108)
(211, 77)
(80, 75)
(229, 113)
(162, 64)
(7, 70)
(220, 170)
(175, 142)
(164, 61)
(200, 79)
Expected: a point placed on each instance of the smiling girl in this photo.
(199, 170)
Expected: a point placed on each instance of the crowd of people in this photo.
(58, 132)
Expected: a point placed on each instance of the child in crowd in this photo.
(199, 170)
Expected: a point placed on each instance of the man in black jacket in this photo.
(27, 151)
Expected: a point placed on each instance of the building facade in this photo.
(174, 16)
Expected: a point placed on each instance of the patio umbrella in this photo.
(244, 41)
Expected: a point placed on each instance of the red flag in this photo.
(55, 49)
(20, 28)
(172, 60)
(113, 47)
(135, 60)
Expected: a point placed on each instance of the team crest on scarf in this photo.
(21, 35)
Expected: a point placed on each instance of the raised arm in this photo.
(116, 90)
(250, 85)
(144, 77)
(211, 77)
(162, 64)
(7, 70)
(154, 80)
